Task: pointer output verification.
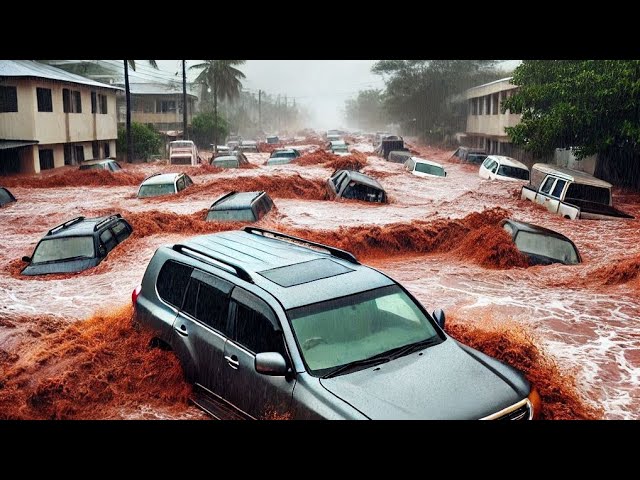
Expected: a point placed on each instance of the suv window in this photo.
(338, 178)
(557, 190)
(121, 231)
(253, 330)
(172, 282)
(207, 300)
(546, 186)
(343, 181)
(107, 238)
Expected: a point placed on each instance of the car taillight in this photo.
(134, 294)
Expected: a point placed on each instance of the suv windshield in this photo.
(155, 190)
(349, 329)
(429, 169)
(513, 172)
(64, 248)
(239, 215)
(546, 246)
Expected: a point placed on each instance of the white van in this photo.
(498, 167)
(183, 152)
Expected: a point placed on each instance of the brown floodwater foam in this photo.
(513, 344)
(354, 161)
(317, 157)
(624, 271)
(74, 178)
(96, 369)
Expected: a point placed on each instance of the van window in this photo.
(546, 186)
(557, 190)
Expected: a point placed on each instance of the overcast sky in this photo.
(321, 85)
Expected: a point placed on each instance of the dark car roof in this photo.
(81, 226)
(529, 227)
(236, 200)
(361, 178)
(293, 274)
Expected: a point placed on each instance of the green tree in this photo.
(146, 141)
(366, 111)
(224, 81)
(591, 105)
(202, 129)
(127, 91)
(424, 95)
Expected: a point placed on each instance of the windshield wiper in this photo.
(375, 360)
(414, 347)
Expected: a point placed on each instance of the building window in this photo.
(45, 104)
(79, 154)
(107, 153)
(8, 99)
(73, 154)
(93, 102)
(71, 101)
(95, 149)
(46, 159)
(494, 105)
(166, 106)
(474, 106)
(103, 103)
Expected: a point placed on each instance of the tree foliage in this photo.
(146, 141)
(202, 129)
(591, 105)
(366, 111)
(424, 96)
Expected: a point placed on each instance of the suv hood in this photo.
(448, 381)
(71, 266)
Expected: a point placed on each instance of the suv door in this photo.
(201, 329)
(256, 329)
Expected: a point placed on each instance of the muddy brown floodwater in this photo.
(574, 330)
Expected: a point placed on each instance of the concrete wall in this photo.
(19, 125)
(566, 158)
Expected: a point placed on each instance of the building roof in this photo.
(309, 275)
(428, 162)
(492, 83)
(6, 144)
(571, 175)
(29, 68)
(161, 179)
(159, 89)
(512, 162)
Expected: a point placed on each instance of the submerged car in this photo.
(470, 155)
(164, 184)
(240, 207)
(6, 197)
(355, 185)
(183, 152)
(273, 139)
(399, 156)
(541, 245)
(106, 164)
(283, 156)
(264, 321)
(77, 245)
(338, 147)
(424, 168)
(236, 160)
(498, 167)
(248, 146)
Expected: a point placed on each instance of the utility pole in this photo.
(278, 111)
(260, 110)
(184, 101)
(128, 92)
(286, 123)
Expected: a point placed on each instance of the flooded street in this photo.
(586, 316)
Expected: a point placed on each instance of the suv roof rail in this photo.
(64, 225)
(110, 218)
(222, 197)
(238, 271)
(336, 252)
(152, 175)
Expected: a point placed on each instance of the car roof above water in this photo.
(236, 200)
(295, 275)
(81, 226)
(161, 178)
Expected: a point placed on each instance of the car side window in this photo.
(172, 282)
(337, 179)
(486, 163)
(188, 181)
(121, 231)
(494, 167)
(255, 324)
(180, 184)
(546, 186)
(107, 238)
(207, 300)
(557, 190)
(343, 182)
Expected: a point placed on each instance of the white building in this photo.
(50, 118)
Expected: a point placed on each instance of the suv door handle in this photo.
(182, 330)
(232, 361)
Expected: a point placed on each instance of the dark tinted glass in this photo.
(172, 282)
(256, 333)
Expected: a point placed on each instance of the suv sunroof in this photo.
(292, 275)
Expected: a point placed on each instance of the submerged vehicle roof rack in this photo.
(336, 252)
(110, 218)
(225, 265)
(222, 197)
(152, 175)
(64, 225)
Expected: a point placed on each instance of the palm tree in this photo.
(132, 64)
(223, 79)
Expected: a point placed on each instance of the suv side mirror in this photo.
(438, 315)
(26, 259)
(271, 363)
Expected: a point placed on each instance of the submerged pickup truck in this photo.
(570, 193)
